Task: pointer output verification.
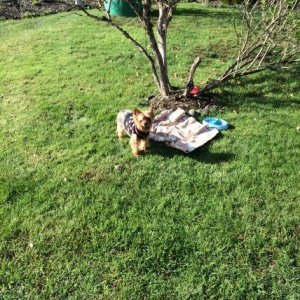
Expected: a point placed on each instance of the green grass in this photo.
(221, 223)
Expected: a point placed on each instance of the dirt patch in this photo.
(203, 104)
(16, 9)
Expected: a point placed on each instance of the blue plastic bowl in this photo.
(216, 123)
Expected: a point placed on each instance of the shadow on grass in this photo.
(263, 89)
(211, 13)
(202, 154)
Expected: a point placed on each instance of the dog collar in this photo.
(135, 130)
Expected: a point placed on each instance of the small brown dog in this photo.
(137, 125)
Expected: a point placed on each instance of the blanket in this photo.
(179, 131)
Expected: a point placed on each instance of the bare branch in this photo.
(266, 42)
(136, 9)
(108, 20)
(194, 66)
(163, 75)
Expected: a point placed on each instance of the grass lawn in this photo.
(221, 223)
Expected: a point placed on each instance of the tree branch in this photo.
(194, 66)
(128, 36)
(163, 75)
(265, 43)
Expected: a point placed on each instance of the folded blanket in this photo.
(179, 131)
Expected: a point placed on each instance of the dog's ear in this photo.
(136, 112)
(150, 112)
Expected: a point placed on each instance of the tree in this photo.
(266, 39)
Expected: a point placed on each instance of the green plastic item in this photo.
(120, 8)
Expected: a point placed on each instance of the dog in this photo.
(136, 124)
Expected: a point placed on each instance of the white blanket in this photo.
(179, 131)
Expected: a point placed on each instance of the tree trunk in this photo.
(162, 34)
(159, 49)
(162, 48)
(163, 67)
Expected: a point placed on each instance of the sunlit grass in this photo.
(222, 222)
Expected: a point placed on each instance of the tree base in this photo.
(202, 104)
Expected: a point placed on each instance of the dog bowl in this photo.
(216, 123)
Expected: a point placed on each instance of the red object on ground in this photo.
(195, 90)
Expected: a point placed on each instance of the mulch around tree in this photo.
(191, 104)
(9, 9)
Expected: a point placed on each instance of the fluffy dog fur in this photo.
(137, 125)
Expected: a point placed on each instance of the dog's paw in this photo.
(136, 154)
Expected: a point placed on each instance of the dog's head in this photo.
(143, 119)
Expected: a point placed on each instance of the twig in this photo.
(128, 36)
(265, 43)
(192, 72)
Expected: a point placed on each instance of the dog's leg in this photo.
(134, 143)
(120, 132)
(143, 145)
